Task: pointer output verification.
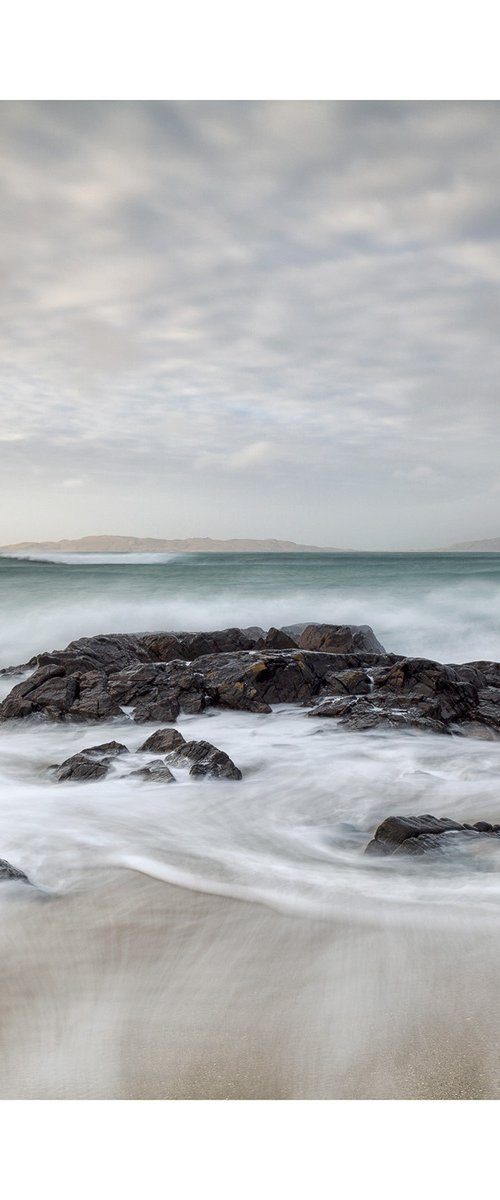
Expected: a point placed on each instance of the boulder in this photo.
(82, 768)
(276, 639)
(162, 741)
(417, 835)
(207, 760)
(106, 749)
(340, 639)
(159, 710)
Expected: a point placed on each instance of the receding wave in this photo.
(253, 894)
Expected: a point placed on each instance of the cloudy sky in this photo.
(251, 320)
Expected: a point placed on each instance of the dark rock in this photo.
(159, 710)
(417, 835)
(158, 675)
(336, 706)
(340, 639)
(156, 772)
(91, 763)
(422, 680)
(424, 844)
(354, 682)
(163, 741)
(155, 691)
(7, 871)
(476, 729)
(488, 710)
(82, 768)
(208, 760)
(276, 639)
(93, 702)
(165, 647)
(255, 681)
(107, 749)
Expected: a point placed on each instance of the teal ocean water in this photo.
(216, 939)
(445, 606)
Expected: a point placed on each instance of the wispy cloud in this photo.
(300, 293)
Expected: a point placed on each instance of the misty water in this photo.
(215, 939)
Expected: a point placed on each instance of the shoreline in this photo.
(147, 991)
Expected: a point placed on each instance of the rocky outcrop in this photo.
(414, 693)
(336, 671)
(152, 675)
(424, 834)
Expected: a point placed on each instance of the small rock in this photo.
(81, 767)
(162, 741)
(157, 772)
(7, 871)
(208, 760)
(107, 749)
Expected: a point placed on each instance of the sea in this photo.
(230, 940)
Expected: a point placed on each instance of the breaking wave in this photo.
(444, 607)
(95, 560)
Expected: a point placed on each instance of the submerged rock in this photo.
(417, 835)
(156, 772)
(7, 871)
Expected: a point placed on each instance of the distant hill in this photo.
(110, 544)
(486, 546)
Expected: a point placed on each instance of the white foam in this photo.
(94, 559)
(290, 835)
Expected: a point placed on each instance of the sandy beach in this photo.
(134, 989)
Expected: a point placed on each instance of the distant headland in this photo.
(119, 544)
(116, 544)
(484, 546)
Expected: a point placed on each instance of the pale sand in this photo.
(137, 989)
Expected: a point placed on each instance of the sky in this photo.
(250, 319)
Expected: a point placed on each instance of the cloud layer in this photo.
(250, 319)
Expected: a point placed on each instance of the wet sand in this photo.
(134, 989)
